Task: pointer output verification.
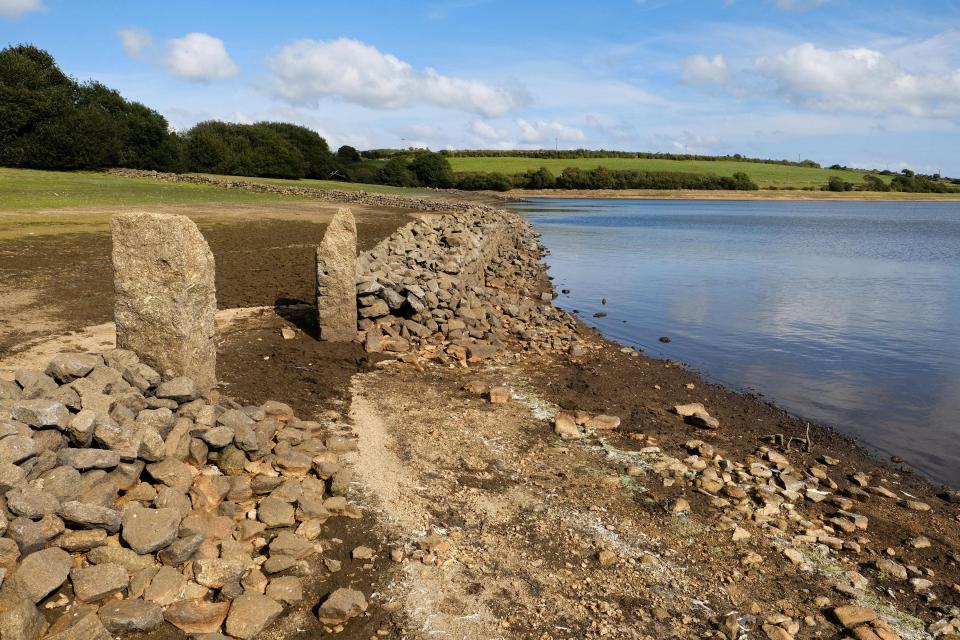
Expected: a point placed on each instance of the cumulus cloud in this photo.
(198, 56)
(700, 69)
(486, 131)
(12, 9)
(541, 131)
(860, 80)
(307, 71)
(135, 41)
(195, 56)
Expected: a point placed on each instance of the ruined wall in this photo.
(450, 279)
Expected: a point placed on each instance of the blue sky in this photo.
(867, 84)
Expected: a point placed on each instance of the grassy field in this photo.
(30, 190)
(765, 175)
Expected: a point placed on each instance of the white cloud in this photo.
(860, 80)
(12, 9)
(198, 56)
(540, 131)
(135, 41)
(700, 69)
(306, 71)
(195, 56)
(486, 131)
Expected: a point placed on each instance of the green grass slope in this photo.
(766, 176)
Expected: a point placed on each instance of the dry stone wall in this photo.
(462, 281)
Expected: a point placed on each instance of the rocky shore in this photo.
(534, 479)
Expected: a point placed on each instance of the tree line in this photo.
(48, 120)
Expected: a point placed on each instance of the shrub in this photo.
(432, 170)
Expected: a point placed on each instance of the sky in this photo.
(867, 84)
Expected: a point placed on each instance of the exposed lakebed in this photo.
(846, 313)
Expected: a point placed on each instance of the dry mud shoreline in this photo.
(483, 522)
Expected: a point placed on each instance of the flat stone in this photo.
(181, 549)
(97, 582)
(124, 616)
(10, 476)
(21, 620)
(197, 616)
(173, 473)
(250, 614)
(90, 516)
(32, 536)
(83, 459)
(216, 572)
(181, 389)
(852, 616)
(42, 572)
(336, 279)
(149, 530)
(603, 422)
(275, 513)
(127, 558)
(80, 622)
(14, 449)
(120, 438)
(165, 298)
(82, 541)
(31, 502)
(41, 413)
(67, 367)
(342, 605)
(287, 590)
(167, 587)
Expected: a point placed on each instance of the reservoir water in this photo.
(844, 313)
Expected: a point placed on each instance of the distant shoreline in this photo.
(763, 194)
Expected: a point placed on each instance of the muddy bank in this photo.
(65, 282)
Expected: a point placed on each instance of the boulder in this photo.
(251, 613)
(336, 279)
(197, 616)
(41, 413)
(96, 582)
(67, 367)
(124, 616)
(21, 620)
(342, 605)
(42, 572)
(149, 530)
(165, 294)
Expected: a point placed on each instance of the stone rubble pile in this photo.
(128, 501)
(802, 514)
(463, 282)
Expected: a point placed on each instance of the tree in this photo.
(539, 179)
(432, 170)
(348, 155)
(319, 162)
(835, 183)
(874, 183)
(396, 173)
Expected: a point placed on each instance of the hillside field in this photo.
(765, 175)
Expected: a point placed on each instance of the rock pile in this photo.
(463, 281)
(139, 501)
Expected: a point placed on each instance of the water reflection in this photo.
(846, 313)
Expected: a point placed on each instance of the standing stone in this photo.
(337, 279)
(165, 294)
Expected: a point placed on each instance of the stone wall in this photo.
(460, 279)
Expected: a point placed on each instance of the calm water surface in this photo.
(846, 313)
